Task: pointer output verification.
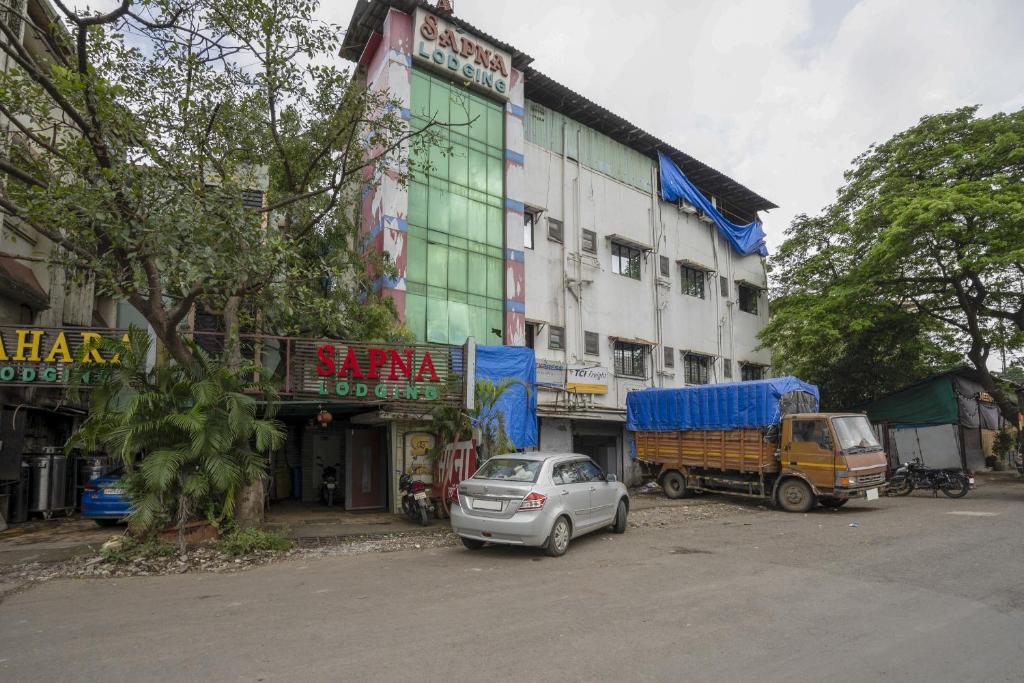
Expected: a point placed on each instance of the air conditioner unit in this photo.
(686, 207)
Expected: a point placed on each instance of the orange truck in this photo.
(762, 439)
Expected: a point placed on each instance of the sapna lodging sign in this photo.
(444, 47)
(42, 356)
(371, 373)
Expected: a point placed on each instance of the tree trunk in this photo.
(250, 502)
(1007, 408)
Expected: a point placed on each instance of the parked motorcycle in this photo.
(916, 475)
(415, 502)
(328, 485)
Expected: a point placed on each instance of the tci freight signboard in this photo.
(444, 47)
(43, 356)
(406, 374)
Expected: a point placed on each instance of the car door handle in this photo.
(565, 493)
(592, 488)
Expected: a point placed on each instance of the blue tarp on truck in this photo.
(735, 405)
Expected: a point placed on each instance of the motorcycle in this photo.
(415, 502)
(916, 475)
(328, 485)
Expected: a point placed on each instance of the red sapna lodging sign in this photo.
(377, 373)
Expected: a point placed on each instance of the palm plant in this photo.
(453, 424)
(189, 436)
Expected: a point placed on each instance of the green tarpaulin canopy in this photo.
(930, 402)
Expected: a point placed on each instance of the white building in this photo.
(623, 290)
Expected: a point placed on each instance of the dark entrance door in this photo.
(601, 448)
(366, 483)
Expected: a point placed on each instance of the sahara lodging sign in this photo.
(43, 356)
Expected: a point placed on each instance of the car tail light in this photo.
(91, 488)
(534, 501)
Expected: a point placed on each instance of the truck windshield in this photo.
(855, 433)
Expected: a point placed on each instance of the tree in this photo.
(190, 436)
(920, 257)
(139, 141)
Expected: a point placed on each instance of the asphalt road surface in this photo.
(914, 589)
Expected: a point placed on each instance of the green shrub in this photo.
(239, 542)
(128, 549)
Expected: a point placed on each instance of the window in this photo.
(696, 368)
(590, 241)
(629, 359)
(692, 282)
(748, 298)
(670, 357)
(726, 368)
(591, 344)
(625, 261)
(252, 199)
(750, 372)
(590, 471)
(723, 281)
(510, 469)
(555, 230)
(529, 219)
(556, 337)
(663, 261)
(811, 431)
(567, 473)
(531, 335)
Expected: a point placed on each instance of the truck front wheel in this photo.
(794, 495)
(673, 484)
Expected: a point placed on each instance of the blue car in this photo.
(106, 500)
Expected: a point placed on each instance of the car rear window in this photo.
(510, 469)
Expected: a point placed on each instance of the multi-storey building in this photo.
(543, 225)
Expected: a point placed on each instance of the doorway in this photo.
(366, 469)
(602, 449)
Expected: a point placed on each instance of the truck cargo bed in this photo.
(736, 450)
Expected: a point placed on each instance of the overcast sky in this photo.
(778, 94)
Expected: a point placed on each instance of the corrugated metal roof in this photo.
(733, 197)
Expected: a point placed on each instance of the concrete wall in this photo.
(578, 290)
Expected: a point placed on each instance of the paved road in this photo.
(921, 590)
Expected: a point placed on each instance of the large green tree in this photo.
(918, 265)
(139, 134)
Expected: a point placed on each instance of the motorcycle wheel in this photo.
(954, 486)
(901, 487)
(424, 518)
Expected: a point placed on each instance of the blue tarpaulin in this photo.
(746, 239)
(496, 363)
(717, 406)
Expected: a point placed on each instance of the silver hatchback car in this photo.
(538, 499)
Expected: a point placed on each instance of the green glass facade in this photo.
(455, 273)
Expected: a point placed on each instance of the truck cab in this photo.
(828, 457)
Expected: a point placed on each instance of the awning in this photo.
(589, 414)
(19, 283)
(628, 242)
(694, 265)
(752, 285)
(634, 340)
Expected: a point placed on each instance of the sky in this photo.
(780, 95)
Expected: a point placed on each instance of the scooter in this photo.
(416, 503)
(328, 485)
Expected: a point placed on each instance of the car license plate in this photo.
(113, 492)
(494, 505)
(871, 494)
(420, 495)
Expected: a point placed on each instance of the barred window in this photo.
(750, 372)
(630, 359)
(696, 368)
(692, 282)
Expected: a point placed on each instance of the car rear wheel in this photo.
(558, 540)
(619, 526)
(795, 496)
(674, 484)
(472, 543)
